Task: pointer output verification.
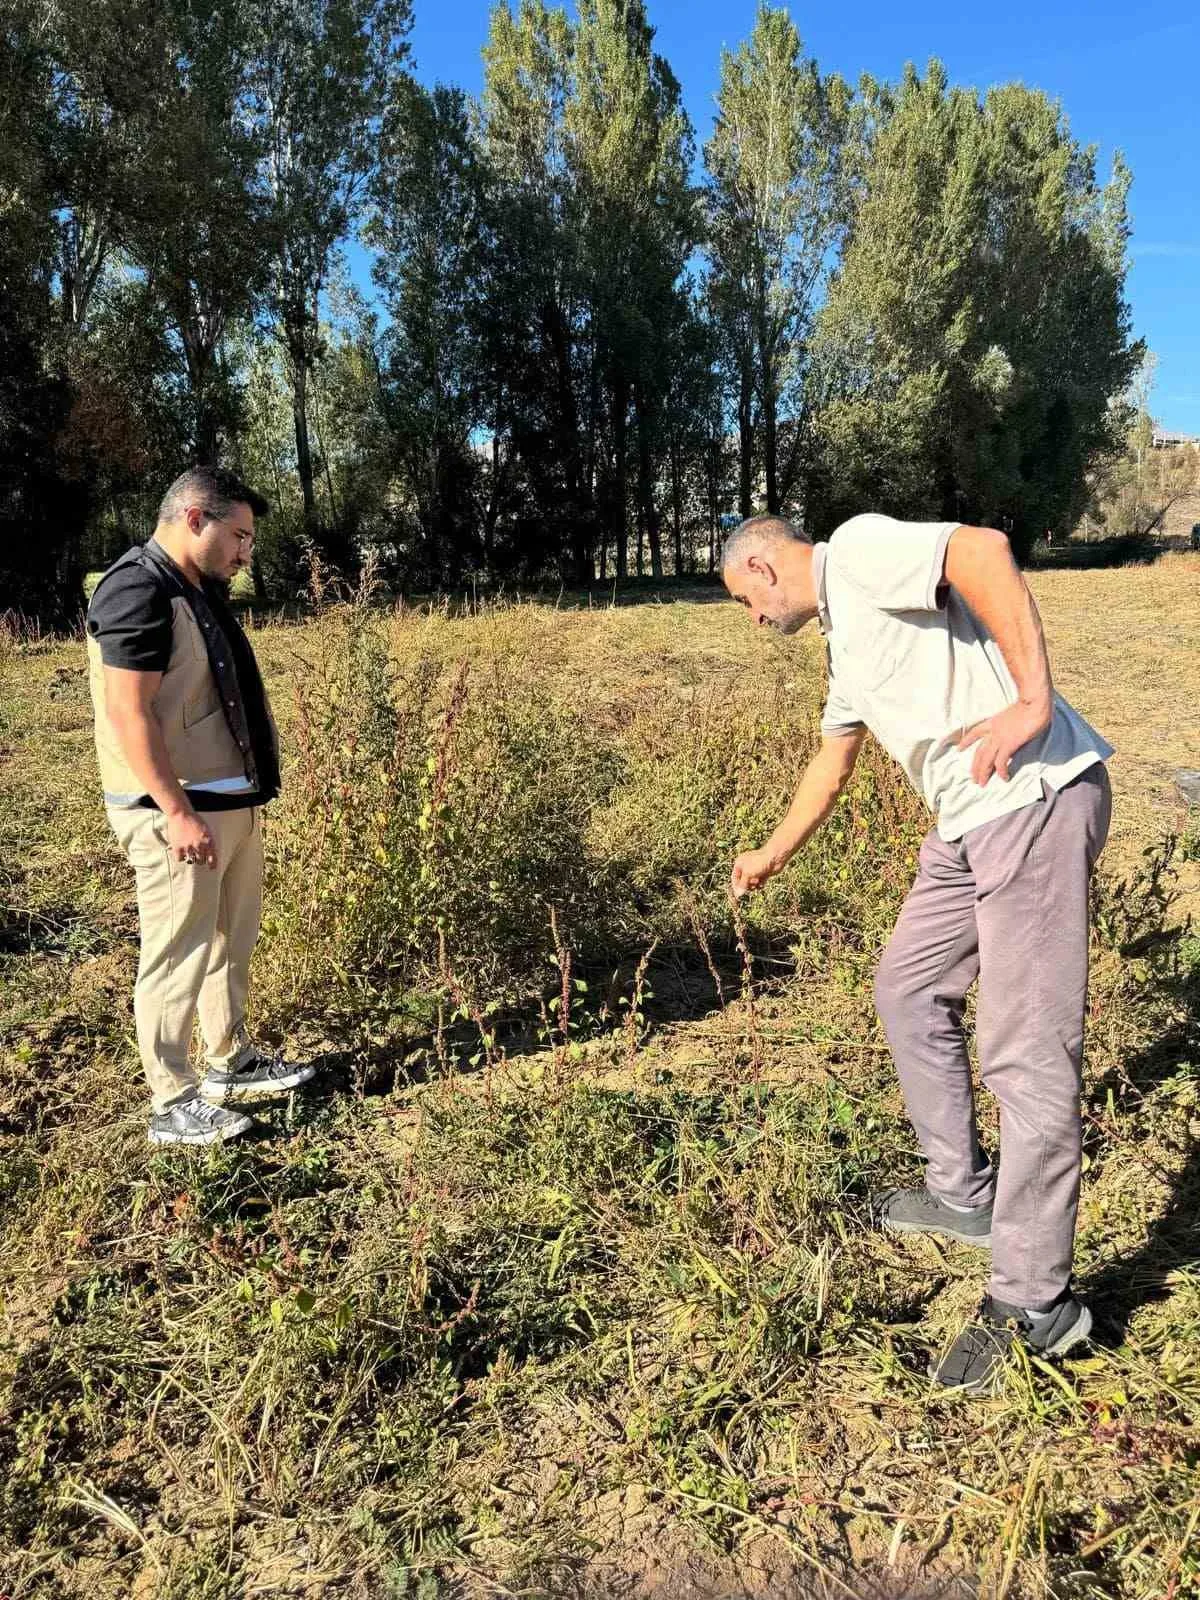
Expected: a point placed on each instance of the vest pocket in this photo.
(204, 706)
(209, 750)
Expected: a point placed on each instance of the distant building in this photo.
(1164, 439)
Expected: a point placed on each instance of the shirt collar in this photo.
(819, 558)
(208, 587)
(156, 552)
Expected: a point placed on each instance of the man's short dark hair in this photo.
(766, 528)
(215, 488)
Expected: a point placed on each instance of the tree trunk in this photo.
(492, 513)
(745, 444)
(769, 399)
(579, 508)
(711, 463)
(304, 467)
(770, 448)
(676, 506)
(648, 517)
(207, 423)
(654, 536)
(619, 507)
(206, 433)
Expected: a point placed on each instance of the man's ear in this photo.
(761, 568)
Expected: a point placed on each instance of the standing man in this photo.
(188, 757)
(935, 645)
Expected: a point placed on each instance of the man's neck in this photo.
(801, 577)
(174, 542)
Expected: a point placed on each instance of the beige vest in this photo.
(188, 707)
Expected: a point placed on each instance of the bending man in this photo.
(935, 646)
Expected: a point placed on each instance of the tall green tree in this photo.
(322, 76)
(777, 202)
(46, 486)
(630, 155)
(977, 327)
(694, 463)
(200, 230)
(541, 399)
(427, 224)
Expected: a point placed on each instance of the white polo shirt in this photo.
(909, 661)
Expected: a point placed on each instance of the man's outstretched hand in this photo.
(751, 870)
(997, 739)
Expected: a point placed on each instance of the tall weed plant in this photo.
(457, 824)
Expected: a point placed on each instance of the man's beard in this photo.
(791, 622)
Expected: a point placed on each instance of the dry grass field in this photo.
(561, 1282)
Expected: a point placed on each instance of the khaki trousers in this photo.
(198, 926)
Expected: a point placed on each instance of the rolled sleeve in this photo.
(898, 566)
(130, 619)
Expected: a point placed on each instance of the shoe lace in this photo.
(202, 1111)
(261, 1065)
(272, 1066)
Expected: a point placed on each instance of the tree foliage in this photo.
(566, 349)
(976, 327)
(778, 199)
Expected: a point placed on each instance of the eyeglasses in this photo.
(245, 540)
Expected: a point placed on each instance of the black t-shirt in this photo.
(130, 618)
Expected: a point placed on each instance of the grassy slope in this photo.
(596, 1312)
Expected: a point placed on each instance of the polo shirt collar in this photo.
(819, 558)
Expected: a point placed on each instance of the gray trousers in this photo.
(1007, 904)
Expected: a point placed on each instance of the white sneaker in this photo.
(194, 1121)
(262, 1078)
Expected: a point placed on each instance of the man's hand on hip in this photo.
(190, 839)
(997, 739)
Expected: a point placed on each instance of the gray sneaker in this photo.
(922, 1211)
(194, 1121)
(975, 1361)
(262, 1078)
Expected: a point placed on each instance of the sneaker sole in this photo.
(215, 1136)
(218, 1094)
(983, 1240)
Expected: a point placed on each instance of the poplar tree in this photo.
(541, 401)
(324, 74)
(630, 154)
(777, 201)
(977, 327)
(198, 228)
(427, 225)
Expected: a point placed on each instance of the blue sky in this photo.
(1124, 83)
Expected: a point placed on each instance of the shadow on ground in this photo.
(677, 985)
(1172, 1243)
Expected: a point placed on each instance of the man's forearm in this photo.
(980, 566)
(141, 739)
(815, 797)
